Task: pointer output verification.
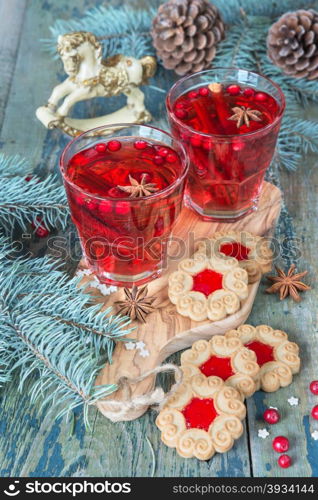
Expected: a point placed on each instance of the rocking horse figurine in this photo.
(90, 76)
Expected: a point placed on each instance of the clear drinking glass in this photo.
(124, 238)
(228, 159)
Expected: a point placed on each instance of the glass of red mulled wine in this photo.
(228, 120)
(125, 193)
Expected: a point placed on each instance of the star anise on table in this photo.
(138, 189)
(244, 115)
(288, 283)
(136, 304)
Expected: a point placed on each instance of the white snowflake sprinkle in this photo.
(130, 346)
(293, 401)
(263, 433)
(144, 353)
(314, 435)
(84, 272)
(273, 407)
(140, 345)
(94, 284)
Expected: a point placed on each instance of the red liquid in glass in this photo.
(200, 413)
(227, 168)
(121, 235)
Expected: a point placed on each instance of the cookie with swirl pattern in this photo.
(206, 287)
(252, 252)
(226, 358)
(203, 417)
(277, 357)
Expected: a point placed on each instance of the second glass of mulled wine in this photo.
(125, 193)
(228, 120)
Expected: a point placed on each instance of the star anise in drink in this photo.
(138, 189)
(245, 115)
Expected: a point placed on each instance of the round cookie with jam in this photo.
(208, 287)
(277, 357)
(253, 253)
(204, 416)
(226, 358)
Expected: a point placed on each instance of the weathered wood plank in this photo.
(300, 321)
(11, 16)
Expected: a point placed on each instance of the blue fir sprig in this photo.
(123, 30)
(128, 31)
(26, 198)
(50, 333)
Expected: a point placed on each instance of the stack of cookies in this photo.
(205, 415)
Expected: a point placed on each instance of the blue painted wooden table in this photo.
(32, 442)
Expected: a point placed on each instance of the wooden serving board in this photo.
(167, 332)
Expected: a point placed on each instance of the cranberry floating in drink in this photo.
(228, 121)
(125, 194)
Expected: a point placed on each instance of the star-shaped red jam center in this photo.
(264, 352)
(235, 249)
(199, 413)
(217, 366)
(207, 282)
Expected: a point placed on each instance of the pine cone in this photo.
(185, 34)
(292, 43)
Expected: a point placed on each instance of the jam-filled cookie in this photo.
(226, 358)
(208, 287)
(277, 357)
(203, 417)
(252, 252)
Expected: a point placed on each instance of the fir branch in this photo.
(58, 335)
(25, 201)
(123, 30)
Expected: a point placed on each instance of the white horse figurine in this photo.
(90, 76)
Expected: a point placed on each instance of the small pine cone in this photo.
(292, 44)
(185, 34)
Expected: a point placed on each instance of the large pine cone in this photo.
(185, 34)
(292, 43)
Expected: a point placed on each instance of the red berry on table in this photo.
(260, 96)
(314, 387)
(233, 89)
(140, 144)
(314, 412)
(248, 92)
(114, 146)
(40, 230)
(271, 416)
(280, 444)
(101, 147)
(204, 91)
(284, 461)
